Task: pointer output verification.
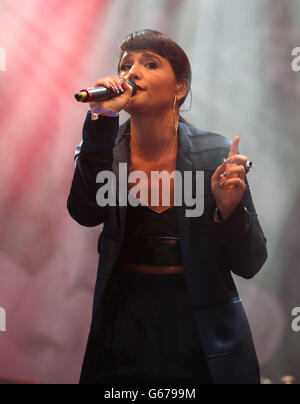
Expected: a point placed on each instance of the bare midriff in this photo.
(150, 269)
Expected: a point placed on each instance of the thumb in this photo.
(127, 88)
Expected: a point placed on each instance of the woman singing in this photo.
(166, 309)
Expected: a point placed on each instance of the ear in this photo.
(182, 89)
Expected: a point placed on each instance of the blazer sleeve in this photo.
(240, 238)
(92, 156)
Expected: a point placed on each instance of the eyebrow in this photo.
(145, 55)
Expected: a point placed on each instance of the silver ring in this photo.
(249, 165)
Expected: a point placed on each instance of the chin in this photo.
(135, 107)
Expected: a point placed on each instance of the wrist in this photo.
(104, 112)
(224, 213)
(218, 217)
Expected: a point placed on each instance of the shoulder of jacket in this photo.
(202, 141)
(206, 149)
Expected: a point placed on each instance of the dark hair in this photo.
(156, 41)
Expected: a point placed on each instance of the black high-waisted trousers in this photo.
(150, 336)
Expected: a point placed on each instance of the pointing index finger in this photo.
(235, 146)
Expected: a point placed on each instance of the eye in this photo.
(151, 65)
(125, 67)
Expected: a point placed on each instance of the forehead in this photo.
(142, 53)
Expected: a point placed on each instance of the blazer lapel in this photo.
(121, 154)
(184, 147)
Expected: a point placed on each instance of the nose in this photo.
(134, 73)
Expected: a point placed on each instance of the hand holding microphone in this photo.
(112, 93)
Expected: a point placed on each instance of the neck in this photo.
(152, 138)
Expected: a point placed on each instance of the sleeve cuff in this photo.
(238, 222)
(99, 135)
(239, 217)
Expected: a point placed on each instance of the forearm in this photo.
(95, 156)
(242, 240)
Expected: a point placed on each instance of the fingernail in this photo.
(223, 175)
(229, 160)
(116, 89)
(222, 183)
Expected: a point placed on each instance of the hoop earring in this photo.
(175, 115)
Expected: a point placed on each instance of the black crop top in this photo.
(151, 238)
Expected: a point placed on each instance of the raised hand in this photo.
(228, 182)
(119, 86)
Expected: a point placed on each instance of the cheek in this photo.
(161, 79)
(163, 87)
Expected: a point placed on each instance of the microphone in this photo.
(100, 93)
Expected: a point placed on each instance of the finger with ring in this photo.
(238, 170)
(249, 165)
(237, 159)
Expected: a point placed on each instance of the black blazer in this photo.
(210, 251)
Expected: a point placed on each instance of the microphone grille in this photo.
(133, 85)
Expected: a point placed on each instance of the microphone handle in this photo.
(100, 93)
